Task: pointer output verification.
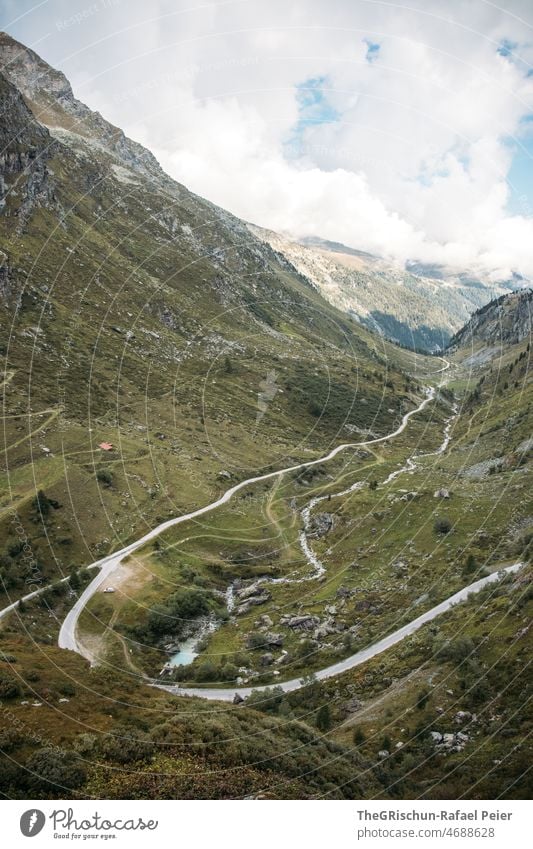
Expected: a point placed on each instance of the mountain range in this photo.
(158, 352)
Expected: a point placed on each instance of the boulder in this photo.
(266, 659)
(325, 629)
(253, 590)
(264, 621)
(237, 699)
(274, 640)
(320, 524)
(353, 705)
(301, 623)
(462, 716)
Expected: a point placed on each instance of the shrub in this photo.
(358, 737)
(323, 718)
(126, 745)
(228, 672)
(267, 700)
(422, 699)
(9, 686)
(41, 504)
(55, 768)
(105, 476)
(470, 565)
(74, 580)
(456, 650)
(442, 525)
(176, 613)
(206, 671)
(255, 641)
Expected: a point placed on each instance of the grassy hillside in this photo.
(155, 352)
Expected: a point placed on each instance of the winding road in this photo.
(67, 634)
(359, 657)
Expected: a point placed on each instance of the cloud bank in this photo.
(392, 128)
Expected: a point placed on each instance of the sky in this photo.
(403, 129)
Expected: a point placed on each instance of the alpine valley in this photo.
(349, 615)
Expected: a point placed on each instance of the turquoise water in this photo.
(186, 654)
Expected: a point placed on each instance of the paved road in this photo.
(359, 657)
(67, 634)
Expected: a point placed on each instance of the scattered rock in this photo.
(353, 705)
(462, 716)
(307, 622)
(264, 621)
(274, 640)
(320, 524)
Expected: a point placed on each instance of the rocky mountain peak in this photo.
(31, 74)
(49, 95)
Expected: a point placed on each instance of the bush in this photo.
(125, 745)
(323, 718)
(9, 686)
(41, 504)
(442, 525)
(267, 700)
(176, 613)
(74, 580)
(456, 650)
(206, 671)
(470, 565)
(255, 641)
(228, 672)
(358, 737)
(55, 768)
(104, 476)
(67, 688)
(422, 699)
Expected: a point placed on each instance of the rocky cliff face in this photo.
(506, 320)
(51, 99)
(25, 149)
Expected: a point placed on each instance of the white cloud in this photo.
(416, 165)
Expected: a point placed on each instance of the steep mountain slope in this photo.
(502, 322)
(138, 316)
(156, 351)
(414, 306)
